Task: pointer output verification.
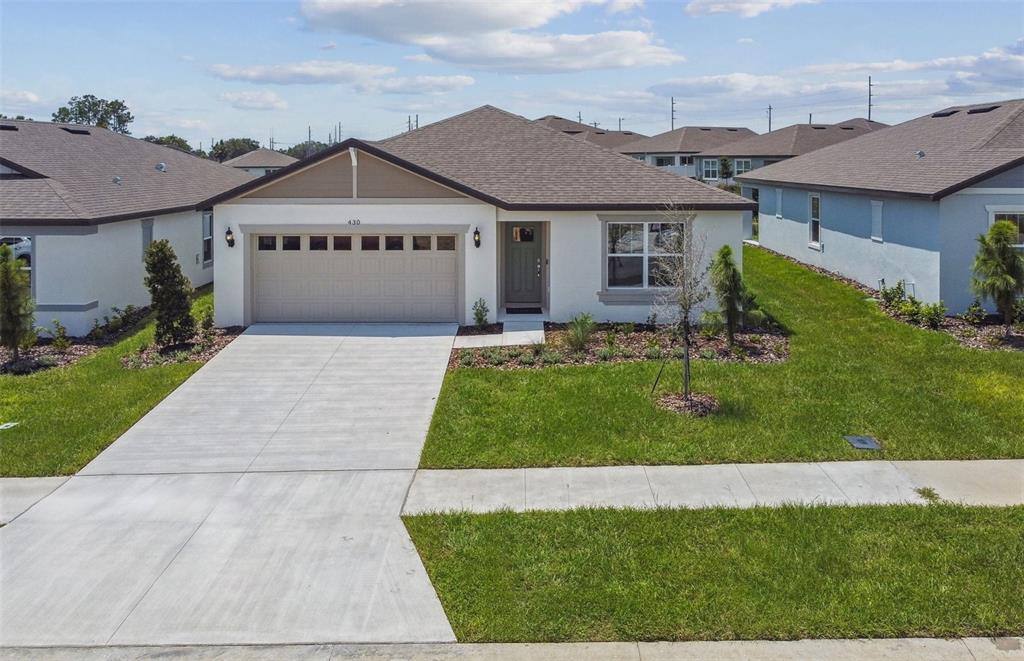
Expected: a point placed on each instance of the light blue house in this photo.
(906, 203)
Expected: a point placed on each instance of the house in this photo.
(589, 133)
(483, 205)
(904, 204)
(88, 201)
(260, 161)
(675, 150)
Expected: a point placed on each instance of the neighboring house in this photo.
(260, 161)
(904, 204)
(588, 133)
(89, 201)
(483, 205)
(676, 150)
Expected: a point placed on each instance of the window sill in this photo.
(814, 246)
(638, 296)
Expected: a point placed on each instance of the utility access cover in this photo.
(863, 442)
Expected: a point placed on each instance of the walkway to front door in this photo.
(258, 503)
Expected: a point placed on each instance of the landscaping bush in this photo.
(891, 296)
(756, 318)
(171, 293)
(536, 348)
(17, 321)
(627, 328)
(999, 269)
(527, 359)
(933, 314)
(580, 328)
(727, 282)
(974, 314)
(60, 342)
(552, 357)
(606, 354)
(1018, 311)
(910, 309)
(467, 359)
(480, 312)
(610, 339)
(495, 357)
(711, 324)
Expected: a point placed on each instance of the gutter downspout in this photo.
(355, 173)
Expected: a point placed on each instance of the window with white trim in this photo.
(686, 160)
(709, 168)
(814, 219)
(876, 220)
(778, 203)
(1015, 217)
(207, 237)
(633, 251)
(741, 165)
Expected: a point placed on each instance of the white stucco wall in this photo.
(106, 267)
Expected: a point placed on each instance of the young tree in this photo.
(172, 141)
(727, 281)
(16, 307)
(682, 277)
(171, 293)
(232, 147)
(89, 109)
(999, 269)
(724, 168)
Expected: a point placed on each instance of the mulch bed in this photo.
(989, 335)
(645, 342)
(487, 329)
(199, 350)
(698, 406)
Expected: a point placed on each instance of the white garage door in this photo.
(355, 277)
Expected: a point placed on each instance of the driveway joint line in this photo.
(849, 501)
(650, 487)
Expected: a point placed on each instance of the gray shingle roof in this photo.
(795, 140)
(686, 139)
(260, 158)
(72, 175)
(598, 136)
(515, 163)
(960, 145)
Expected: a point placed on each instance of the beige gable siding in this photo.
(333, 179)
(379, 178)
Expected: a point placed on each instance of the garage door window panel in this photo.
(343, 243)
(291, 243)
(394, 243)
(318, 243)
(446, 243)
(421, 243)
(267, 242)
(367, 243)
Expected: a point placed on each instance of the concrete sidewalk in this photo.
(982, 482)
(514, 333)
(960, 649)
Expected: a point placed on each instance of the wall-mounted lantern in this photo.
(476, 237)
(229, 236)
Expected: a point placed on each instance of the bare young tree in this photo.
(680, 270)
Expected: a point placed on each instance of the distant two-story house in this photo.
(589, 133)
(260, 161)
(676, 150)
(905, 204)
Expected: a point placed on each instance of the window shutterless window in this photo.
(662, 161)
(318, 243)
(1014, 217)
(635, 252)
(266, 243)
(814, 224)
(421, 243)
(710, 168)
(446, 243)
(778, 203)
(369, 243)
(742, 165)
(394, 243)
(343, 243)
(207, 237)
(291, 243)
(876, 220)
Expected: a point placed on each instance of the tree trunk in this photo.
(686, 360)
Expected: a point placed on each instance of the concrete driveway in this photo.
(258, 503)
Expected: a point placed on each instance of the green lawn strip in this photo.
(786, 573)
(66, 416)
(852, 370)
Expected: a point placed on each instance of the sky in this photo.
(213, 70)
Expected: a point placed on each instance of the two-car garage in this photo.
(358, 277)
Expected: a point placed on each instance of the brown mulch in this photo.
(196, 351)
(644, 343)
(487, 329)
(698, 405)
(989, 335)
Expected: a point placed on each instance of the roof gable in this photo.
(687, 139)
(795, 139)
(260, 158)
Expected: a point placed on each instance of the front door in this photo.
(524, 256)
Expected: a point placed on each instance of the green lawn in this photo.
(788, 573)
(68, 415)
(852, 370)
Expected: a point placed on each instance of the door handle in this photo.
(538, 267)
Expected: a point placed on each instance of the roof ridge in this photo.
(66, 197)
(439, 122)
(999, 128)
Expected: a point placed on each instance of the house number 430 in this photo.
(354, 221)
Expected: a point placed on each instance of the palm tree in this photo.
(999, 269)
(727, 281)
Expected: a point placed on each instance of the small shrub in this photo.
(910, 309)
(495, 357)
(206, 322)
(711, 324)
(527, 359)
(61, 342)
(467, 359)
(97, 332)
(552, 357)
(516, 352)
(756, 318)
(480, 312)
(627, 328)
(577, 336)
(891, 296)
(738, 352)
(17, 319)
(706, 354)
(536, 348)
(113, 325)
(610, 339)
(933, 314)
(652, 319)
(606, 354)
(654, 353)
(974, 314)
(171, 293)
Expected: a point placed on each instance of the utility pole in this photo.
(673, 113)
(870, 104)
(579, 116)
(810, 118)
(595, 124)
(417, 120)
(620, 123)
(769, 118)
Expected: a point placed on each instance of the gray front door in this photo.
(524, 254)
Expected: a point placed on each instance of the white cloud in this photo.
(309, 72)
(418, 84)
(744, 40)
(330, 45)
(18, 98)
(418, 57)
(498, 36)
(745, 8)
(255, 100)
(187, 58)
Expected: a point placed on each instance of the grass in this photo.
(66, 416)
(787, 573)
(852, 370)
